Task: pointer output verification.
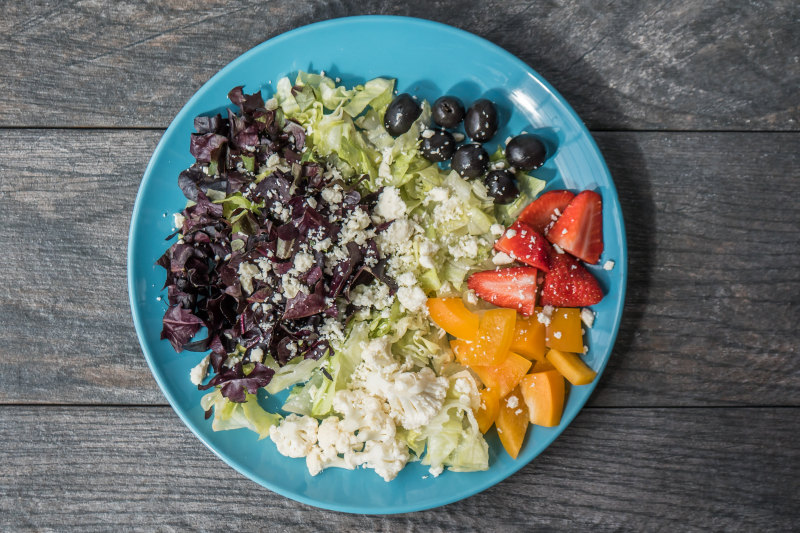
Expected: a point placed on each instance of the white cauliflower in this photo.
(365, 415)
(295, 436)
(387, 458)
(414, 398)
(335, 448)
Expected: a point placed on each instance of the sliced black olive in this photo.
(447, 111)
(525, 152)
(437, 145)
(470, 160)
(480, 122)
(501, 186)
(400, 114)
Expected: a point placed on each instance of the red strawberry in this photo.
(579, 229)
(514, 287)
(569, 284)
(526, 245)
(542, 212)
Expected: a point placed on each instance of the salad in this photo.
(402, 288)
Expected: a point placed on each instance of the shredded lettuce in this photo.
(452, 439)
(315, 397)
(232, 415)
(295, 371)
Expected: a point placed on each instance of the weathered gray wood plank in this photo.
(711, 316)
(623, 65)
(728, 469)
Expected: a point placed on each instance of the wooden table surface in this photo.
(695, 424)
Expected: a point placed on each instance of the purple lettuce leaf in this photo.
(207, 147)
(179, 326)
(303, 305)
(233, 382)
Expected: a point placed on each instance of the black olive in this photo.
(501, 186)
(400, 114)
(470, 160)
(447, 111)
(481, 120)
(525, 152)
(437, 147)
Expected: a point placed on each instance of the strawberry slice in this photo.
(526, 245)
(514, 288)
(542, 212)
(579, 229)
(569, 284)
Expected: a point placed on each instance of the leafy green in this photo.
(233, 415)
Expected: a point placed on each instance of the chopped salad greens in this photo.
(310, 245)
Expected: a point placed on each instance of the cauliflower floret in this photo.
(295, 436)
(335, 448)
(364, 414)
(386, 458)
(414, 398)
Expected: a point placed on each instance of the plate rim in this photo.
(476, 488)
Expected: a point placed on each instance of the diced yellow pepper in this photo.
(564, 332)
(571, 367)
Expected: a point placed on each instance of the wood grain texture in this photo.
(613, 470)
(623, 65)
(712, 308)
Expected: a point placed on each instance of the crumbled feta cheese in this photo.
(385, 167)
(608, 265)
(246, 273)
(324, 244)
(448, 210)
(200, 371)
(502, 258)
(587, 316)
(472, 298)
(376, 295)
(291, 286)
(544, 316)
(407, 279)
(427, 134)
(512, 402)
(465, 247)
(333, 194)
(558, 249)
(177, 220)
(256, 355)
(412, 298)
(273, 160)
(303, 261)
(438, 194)
(354, 228)
(557, 334)
(497, 229)
(390, 205)
(511, 233)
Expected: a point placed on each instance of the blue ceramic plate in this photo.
(429, 60)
